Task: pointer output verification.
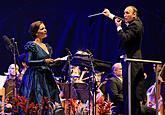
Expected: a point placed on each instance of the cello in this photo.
(151, 94)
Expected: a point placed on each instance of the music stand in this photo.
(79, 91)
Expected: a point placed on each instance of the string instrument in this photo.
(151, 98)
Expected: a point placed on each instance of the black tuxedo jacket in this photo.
(131, 38)
(115, 89)
(130, 43)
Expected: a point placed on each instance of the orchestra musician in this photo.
(114, 87)
(11, 85)
(100, 85)
(151, 91)
(162, 89)
(77, 75)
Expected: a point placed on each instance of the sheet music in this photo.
(64, 58)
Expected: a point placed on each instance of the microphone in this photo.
(7, 41)
(67, 63)
(17, 48)
(68, 52)
(13, 39)
(120, 19)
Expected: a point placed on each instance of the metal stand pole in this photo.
(129, 88)
(70, 81)
(129, 60)
(15, 72)
(94, 84)
(157, 109)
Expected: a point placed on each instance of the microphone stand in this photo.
(14, 59)
(12, 46)
(14, 50)
(93, 85)
(69, 59)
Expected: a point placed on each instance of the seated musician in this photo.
(100, 84)
(151, 95)
(162, 89)
(11, 86)
(115, 89)
(77, 75)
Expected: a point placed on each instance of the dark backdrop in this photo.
(69, 27)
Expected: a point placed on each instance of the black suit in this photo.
(130, 44)
(115, 90)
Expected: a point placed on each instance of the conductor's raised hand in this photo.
(106, 12)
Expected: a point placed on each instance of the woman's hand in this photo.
(49, 60)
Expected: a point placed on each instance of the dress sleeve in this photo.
(30, 47)
(31, 51)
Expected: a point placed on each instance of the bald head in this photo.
(134, 9)
(130, 13)
(117, 69)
